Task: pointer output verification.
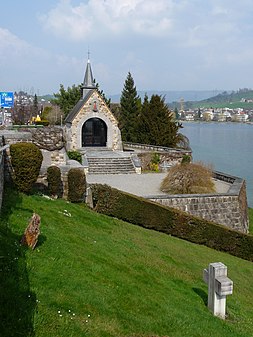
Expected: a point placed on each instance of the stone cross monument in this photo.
(219, 286)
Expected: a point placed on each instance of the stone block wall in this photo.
(229, 209)
(168, 156)
(49, 139)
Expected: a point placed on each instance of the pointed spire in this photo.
(88, 77)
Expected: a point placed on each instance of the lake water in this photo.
(227, 146)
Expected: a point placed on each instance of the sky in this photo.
(165, 44)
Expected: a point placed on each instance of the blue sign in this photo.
(6, 99)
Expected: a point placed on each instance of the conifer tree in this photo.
(143, 122)
(129, 110)
(157, 123)
(35, 107)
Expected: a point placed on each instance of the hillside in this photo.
(243, 98)
(234, 96)
(95, 276)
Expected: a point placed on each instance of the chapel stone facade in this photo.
(91, 124)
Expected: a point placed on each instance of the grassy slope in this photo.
(251, 220)
(109, 278)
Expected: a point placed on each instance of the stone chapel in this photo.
(91, 124)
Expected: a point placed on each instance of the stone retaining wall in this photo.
(49, 139)
(229, 209)
(168, 156)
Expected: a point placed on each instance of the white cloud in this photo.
(97, 18)
(26, 66)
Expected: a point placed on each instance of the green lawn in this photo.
(251, 220)
(95, 276)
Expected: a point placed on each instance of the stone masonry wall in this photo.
(168, 156)
(228, 209)
(50, 140)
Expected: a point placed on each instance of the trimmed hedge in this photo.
(26, 160)
(150, 215)
(76, 185)
(54, 181)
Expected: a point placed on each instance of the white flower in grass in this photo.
(88, 315)
(59, 312)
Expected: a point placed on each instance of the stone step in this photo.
(110, 165)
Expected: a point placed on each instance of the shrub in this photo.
(75, 155)
(76, 185)
(186, 159)
(54, 181)
(153, 216)
(154, 163)
(26, 160)
(188, 178)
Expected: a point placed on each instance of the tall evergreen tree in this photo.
(157, 123)
(129, 110)
(143, 122)
(35, 108)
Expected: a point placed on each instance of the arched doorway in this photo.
(94, 133)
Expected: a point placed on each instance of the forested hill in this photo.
(235, 96)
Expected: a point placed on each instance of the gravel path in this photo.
(145, 184)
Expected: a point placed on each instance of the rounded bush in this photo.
(76, 185)
(26, 160)
(54, 181)
(188, 178)
(75, 155)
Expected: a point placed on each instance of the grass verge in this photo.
(96, 276)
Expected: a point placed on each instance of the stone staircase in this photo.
(110, 165)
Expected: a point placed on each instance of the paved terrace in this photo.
(144, 185)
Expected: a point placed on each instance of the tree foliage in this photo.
(102, 94)
(156, 123)
(66, 99)
(35, 108)
(129, 110)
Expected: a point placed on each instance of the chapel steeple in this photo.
(88, 82)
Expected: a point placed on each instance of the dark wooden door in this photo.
(94, 133)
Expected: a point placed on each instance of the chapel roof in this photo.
(88, 77)
(87, 88)
(72, 114)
